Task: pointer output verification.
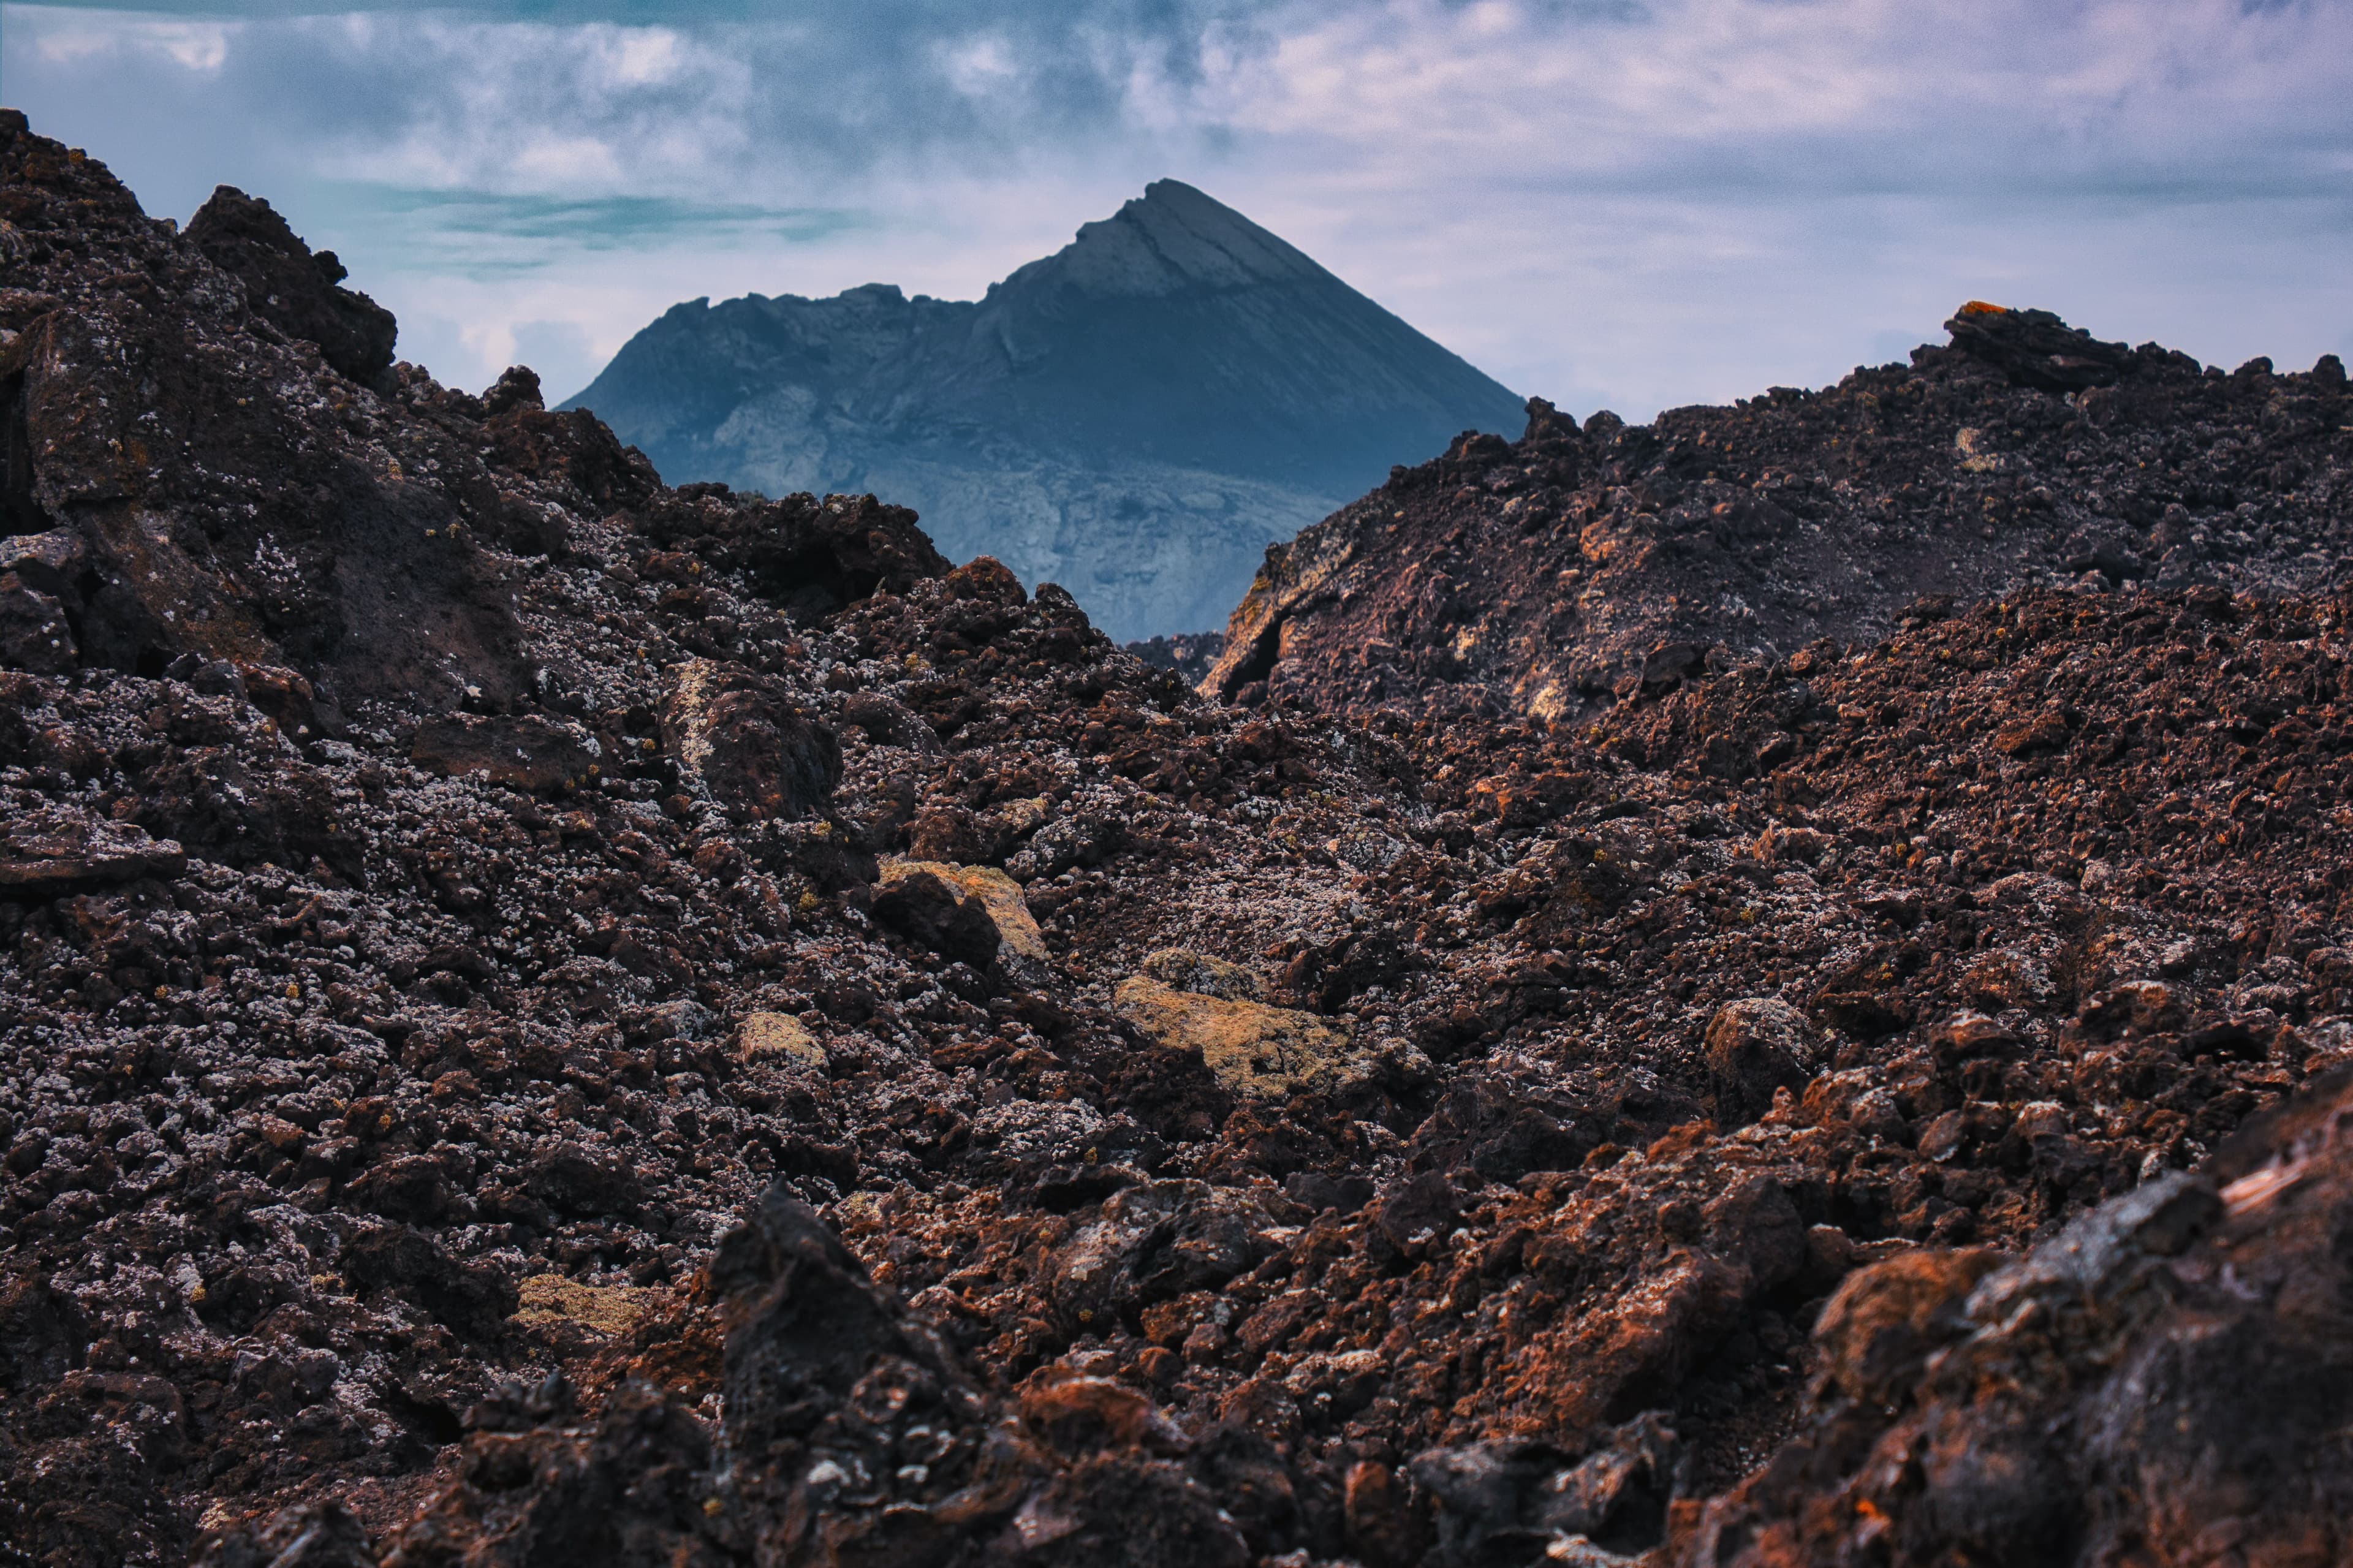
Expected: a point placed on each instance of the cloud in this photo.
(474, 233)
(1642, 202)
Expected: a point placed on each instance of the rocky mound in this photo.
(719, 1040)
(1561, 573)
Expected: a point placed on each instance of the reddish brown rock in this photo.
(2187, 1337)
(529, 752)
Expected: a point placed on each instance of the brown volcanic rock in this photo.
(2154, 1383)
(529, 752)
(44, 850)
(599, 1163)
(1576, 567)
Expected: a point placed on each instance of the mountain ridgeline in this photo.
(1136, 417)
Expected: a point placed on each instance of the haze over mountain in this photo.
(1136, 417)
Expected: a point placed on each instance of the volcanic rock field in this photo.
(1770, 988)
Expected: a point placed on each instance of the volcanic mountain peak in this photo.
(1136, 417)
(1172, 239)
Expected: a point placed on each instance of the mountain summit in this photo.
(1171, 239)
(1136, 417)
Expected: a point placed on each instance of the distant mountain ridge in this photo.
(1136, 417)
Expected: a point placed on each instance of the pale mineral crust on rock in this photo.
(553, 1018)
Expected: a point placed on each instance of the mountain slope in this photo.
(1136, 416)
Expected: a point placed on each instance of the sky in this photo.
(1630, 203)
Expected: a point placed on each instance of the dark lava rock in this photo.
(933, 912)
(2189, 1337)
(469, 1299)
(1577, 568)
(318, 1535)
(2035, 348)
(1755, 1047)
(757, 751)
(33, 632)
(291, 288)
(530, 752)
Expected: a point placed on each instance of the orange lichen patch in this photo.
(1980, 307)
(1254, 1049)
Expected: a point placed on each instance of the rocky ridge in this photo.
(723, 1040)
(1578, 565)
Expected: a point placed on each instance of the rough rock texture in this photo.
(976, 913)
(1189, 654)
(1575, 567)
(419, 1144)
(294, 290)
(2161, 1382)
(1266, 1053)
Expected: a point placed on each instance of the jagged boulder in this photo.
(2035, 348)
(748, 746)
(1755, 1046)
(529, 751)
(60, 847)
(293, 290)
(35, 633)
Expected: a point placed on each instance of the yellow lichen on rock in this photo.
(550, 1302)
(998, 895)
(1001, 895)
(1254, 1049)
(778, 1039)
(1185, 970)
